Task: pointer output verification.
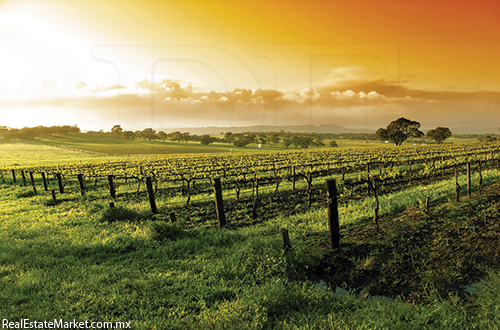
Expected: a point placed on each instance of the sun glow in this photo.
(83, 60)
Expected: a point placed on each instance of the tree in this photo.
(228, 137)
(318, 140)
(439, 134)
(148, 134)
(240, 140)
(295, 140)
(129, 135)
(117, 130)
(186, 137)
(207, 139)
(274, 138)
(305, 141)
(287, 141)
(399, 130)
(333, 144)
(176, 136)
(3, 130)
(261, 139)
(488, 138)
(161, 135)
(26, 133)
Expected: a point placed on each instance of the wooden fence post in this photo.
(59, 182)
(457, 185)
(286, 239)
(14, 175)
(54, 196)
(112, 191)
(409, 169)
(82, 183)
(219, 205)
(333, 214)
(172, 217)
(33, 183)
(468, 180)
(368, 178)
(44, 179)
(480, 182)
(374, 188)
(442, 166)
(151, 195)
(24, 178)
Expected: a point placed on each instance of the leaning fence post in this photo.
(33, 183)
(24, 178)
(59, 182)
(151, 195)
(44, 182)
(333, 214)
(219, 203)
(14, 175)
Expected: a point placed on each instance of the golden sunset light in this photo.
(196, 63)
(265, 164)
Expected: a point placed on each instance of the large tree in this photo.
(399, 130)
(439, 134)
(117, 130)
(148, 134)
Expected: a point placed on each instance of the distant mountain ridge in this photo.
(330, 128)
(327, 128)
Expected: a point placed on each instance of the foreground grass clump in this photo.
(81, 260)
(119, 213)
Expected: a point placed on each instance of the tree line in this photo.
(396, 132)
(302, 140)
(29, 133)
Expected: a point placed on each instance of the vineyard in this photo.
(142, 240)
(260, 185)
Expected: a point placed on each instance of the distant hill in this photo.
(474, 130)
(267, 128)
(328, 128)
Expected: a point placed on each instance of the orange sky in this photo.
(90, 62)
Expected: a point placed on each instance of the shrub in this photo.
(113, 214)
(168, 231)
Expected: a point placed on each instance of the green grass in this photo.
(14, 154)
(98, 146)
(80, 260)
(116, 146)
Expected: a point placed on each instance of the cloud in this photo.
(364, 102)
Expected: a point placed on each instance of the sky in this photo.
(161, 64)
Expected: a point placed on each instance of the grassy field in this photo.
(75, 147)
(14, 154)
(80, 260)
(110, 145)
